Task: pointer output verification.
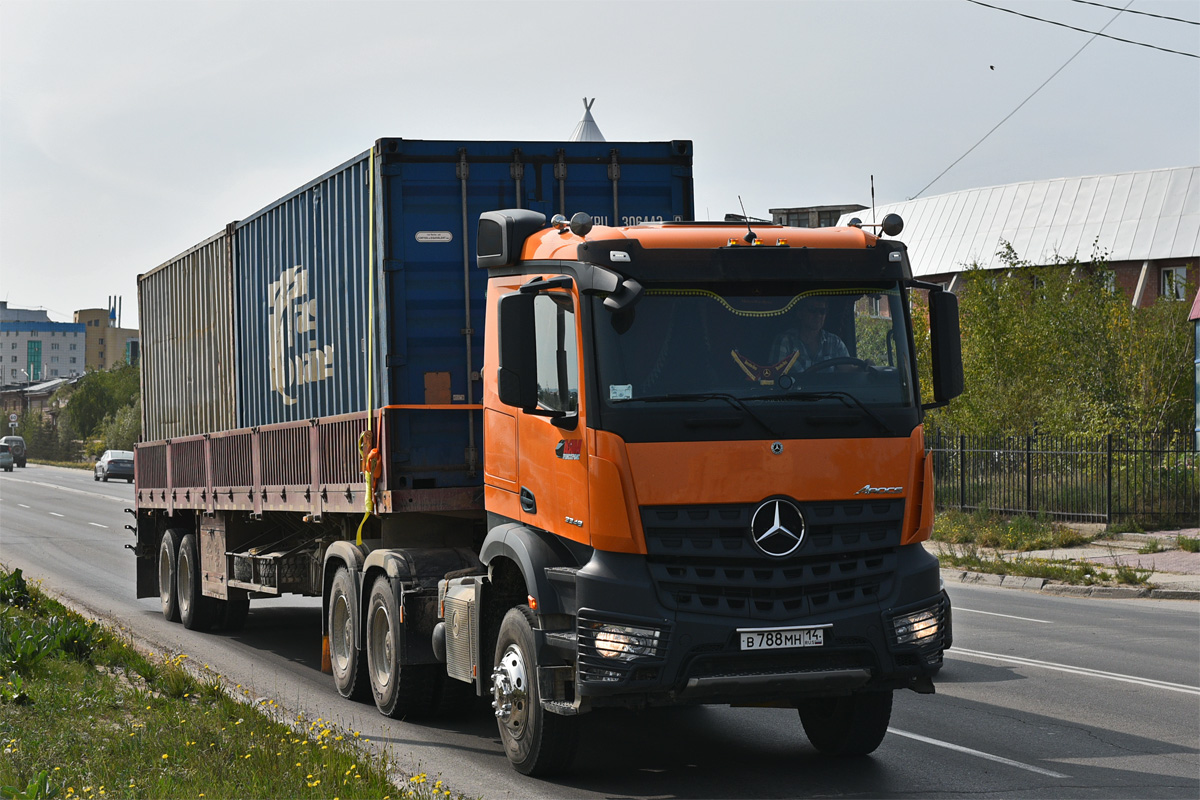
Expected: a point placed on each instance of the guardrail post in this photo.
(1029, 475)
(962, 472)
(1108, 491)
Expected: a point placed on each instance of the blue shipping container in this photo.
(305, 272)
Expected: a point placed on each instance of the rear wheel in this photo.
(197, 611)
(400, 691)
(348, 662)
(168, 556)
(847, 726)
(536, 741)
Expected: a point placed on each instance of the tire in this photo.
(408, 691)
(348, 662)
(96, 476)
(197, 612)
(535, 741)
(168, 571)
(847, 726)
(234, 610)
(129, 480)
(105, 478)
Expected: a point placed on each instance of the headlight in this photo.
(625, 642)
(917, 628)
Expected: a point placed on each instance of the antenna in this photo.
(872, 199)
(750, 235)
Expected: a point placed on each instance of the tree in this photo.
(1059, 349)
(99, 395)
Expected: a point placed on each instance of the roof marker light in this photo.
(732, 242)
(781, 243)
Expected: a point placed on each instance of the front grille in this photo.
(702, 559)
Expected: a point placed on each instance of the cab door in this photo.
(552, 468)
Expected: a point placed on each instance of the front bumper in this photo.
(693, 657)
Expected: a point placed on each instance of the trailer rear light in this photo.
(916, 628)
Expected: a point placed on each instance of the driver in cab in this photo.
(811, 343)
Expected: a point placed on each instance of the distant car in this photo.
(6, 459)
(17, 445)
(114, 464)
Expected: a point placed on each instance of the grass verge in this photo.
(1188, 544)
(986, 529)
(969, 556)
(85, 715)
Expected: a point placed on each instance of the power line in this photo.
(1022, 103)
(1131, 11)
(1083, 30)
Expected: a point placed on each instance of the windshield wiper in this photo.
(850, 400)
(736, 402)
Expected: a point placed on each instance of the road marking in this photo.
(979, 753)
(1006, 616)
(53, 514)
(22, 505)
(98, 525)
(1093, 673)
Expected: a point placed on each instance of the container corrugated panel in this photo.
(302, 281)
(187, 361)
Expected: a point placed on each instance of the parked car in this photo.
(16, 445)
(114, 464)
(6, 459)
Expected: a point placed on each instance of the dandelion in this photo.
(165, 756)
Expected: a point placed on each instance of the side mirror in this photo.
(516, 378)
(946, 346)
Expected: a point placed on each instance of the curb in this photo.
(1065, 589)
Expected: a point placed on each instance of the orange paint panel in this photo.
(500, 451)
(551, 244)
(498, 501)
(610, 526)
(746, 472)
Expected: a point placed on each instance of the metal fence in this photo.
(1071, 478)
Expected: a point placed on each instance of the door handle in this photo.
(528, 502)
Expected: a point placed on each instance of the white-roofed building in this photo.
(1147, 225)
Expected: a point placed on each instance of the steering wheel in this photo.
(834, 362)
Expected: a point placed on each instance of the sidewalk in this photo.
(1176, 572)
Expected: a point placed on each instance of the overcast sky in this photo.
(130, 131)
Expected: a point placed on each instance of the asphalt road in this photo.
(1041, 696)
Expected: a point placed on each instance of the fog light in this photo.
(918, 627)
(625, 642)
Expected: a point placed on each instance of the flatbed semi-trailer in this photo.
(561, 464)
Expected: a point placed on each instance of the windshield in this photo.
(791, 358)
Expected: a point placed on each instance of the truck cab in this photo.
(705, 478)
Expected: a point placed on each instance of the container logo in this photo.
(296, 357)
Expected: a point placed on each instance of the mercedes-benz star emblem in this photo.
(777, 528)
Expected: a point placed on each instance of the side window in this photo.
(873, 330)
(557, 353)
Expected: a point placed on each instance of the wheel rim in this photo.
(164, 574)
(341, 633)
(381, 647)
(183, 580)
(510, 691)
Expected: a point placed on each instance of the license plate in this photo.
(781, 638)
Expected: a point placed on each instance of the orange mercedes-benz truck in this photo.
(705, 478)
(555, 466)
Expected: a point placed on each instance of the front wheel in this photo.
(536, 741)
(400, 691)
(847, 726)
